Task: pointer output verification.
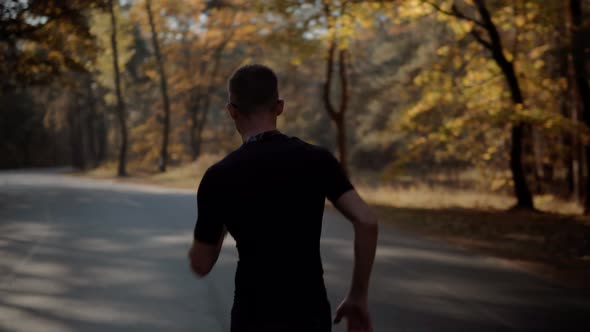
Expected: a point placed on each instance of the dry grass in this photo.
(415, 196)
(185, 176)
(551, 245)
(432, 198)
(420, 196)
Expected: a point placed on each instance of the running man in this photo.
(270, 195)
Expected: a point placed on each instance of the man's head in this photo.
(253, 97)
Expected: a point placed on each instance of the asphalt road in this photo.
(81, 255)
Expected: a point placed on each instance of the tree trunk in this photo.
(198, 130)
(565, 106)
(199, 113)
(341, 123)
(521, 189)
(54, 138)
(101, 136)
(75, 134)
(338, 117)
(577, 154)
(194, 95)
(538, 154)
(90, 123)
(579, 63)
(570, 157)
(198, 140)
(570, 109)
(121, 116)
(194, 109)
(81, 119)
(202, 120)
(494, 45)
(26, 148)
(200, 126)
(163, 88)
(194, 112)
(342, 146)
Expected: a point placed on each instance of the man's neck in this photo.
(257, 130)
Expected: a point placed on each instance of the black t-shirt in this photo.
(270, 194)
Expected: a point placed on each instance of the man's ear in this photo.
(233, 112)
(280, 107)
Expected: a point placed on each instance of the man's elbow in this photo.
(368, 219)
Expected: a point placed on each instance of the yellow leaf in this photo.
(497, 184)
(296, 61)
(509, 56)
(443, 50)
(449, 97)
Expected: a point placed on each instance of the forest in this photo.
(484, 95)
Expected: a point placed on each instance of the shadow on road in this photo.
(96, 259)
(99, 260)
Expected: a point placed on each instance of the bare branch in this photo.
(454, 12)
(480, 40)
(329, 64)
(343, 82)
(517, 29)
(328, 82)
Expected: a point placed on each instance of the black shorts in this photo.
(318, 320)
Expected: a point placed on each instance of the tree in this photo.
(198, 123)
(76, 133)
(41, 39)
(486, 34)
(48, 49)
(121, 113)
(163, 88)
(202, 37)
(581, 76)
(91, 119)
(20, 118)
(335, 24)
(202, 93)
(101, 86)
(337, 116)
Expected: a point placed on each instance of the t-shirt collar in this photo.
(262, 136)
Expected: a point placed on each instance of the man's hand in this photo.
(354, 306)
(356, 315)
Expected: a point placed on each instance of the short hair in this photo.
(253, 85)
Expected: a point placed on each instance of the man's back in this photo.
(270, 195)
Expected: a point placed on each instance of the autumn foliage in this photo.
(401, 90)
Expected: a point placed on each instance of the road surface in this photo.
(82, 255)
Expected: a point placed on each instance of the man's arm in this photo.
(203, 256)
(354, 306)
(209, 230)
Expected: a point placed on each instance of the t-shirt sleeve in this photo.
(209, 226)
(336, 180)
